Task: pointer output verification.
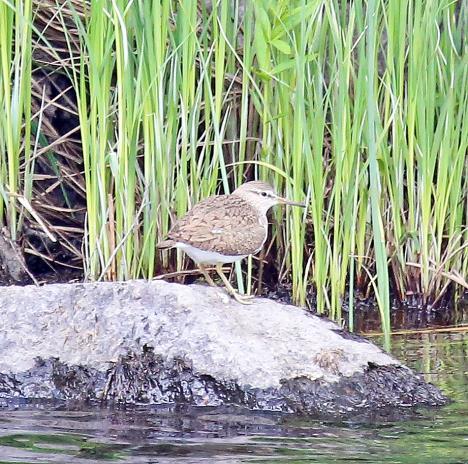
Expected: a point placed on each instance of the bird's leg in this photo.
(206, 275)
(244, 299)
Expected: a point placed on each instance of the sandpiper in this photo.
(226, 228)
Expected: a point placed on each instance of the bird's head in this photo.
(262, 196)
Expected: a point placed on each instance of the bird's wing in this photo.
(229, 228)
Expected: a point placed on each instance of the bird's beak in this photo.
(284, 201)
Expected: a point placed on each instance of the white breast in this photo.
(208, 257)
(263, 221)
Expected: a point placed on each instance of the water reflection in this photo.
(189, 435)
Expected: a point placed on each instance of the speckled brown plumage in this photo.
(227, 224)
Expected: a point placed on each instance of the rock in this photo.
(12, 264)
(156, 342)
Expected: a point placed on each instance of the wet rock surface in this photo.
(158, 343)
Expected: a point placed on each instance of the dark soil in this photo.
(19, 268)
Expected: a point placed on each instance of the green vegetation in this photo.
(15, 107)
(361, 108)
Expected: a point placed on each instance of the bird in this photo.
(226, 228)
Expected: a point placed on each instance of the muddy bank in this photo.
(154, 343)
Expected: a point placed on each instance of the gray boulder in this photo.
(156, 342)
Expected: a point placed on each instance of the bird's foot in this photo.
(242, 299)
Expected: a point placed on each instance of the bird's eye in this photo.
(264, 194)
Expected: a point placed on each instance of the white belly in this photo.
(208, 257)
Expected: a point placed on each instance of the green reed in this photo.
(358, 107)
(307, 74)
(15, 110)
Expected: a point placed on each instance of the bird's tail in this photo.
(166, 244)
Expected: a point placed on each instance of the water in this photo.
(180, 435)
